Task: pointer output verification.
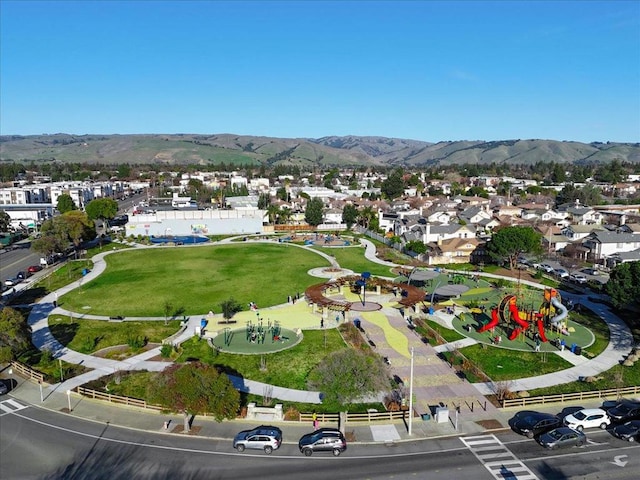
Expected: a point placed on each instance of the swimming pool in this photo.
(179, 239)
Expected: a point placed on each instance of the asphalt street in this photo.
(46, 444)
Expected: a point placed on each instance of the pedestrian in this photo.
(562, 345)
(289, 299)
(537, 344)
(314, 418)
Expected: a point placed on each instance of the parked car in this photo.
(264, 437)
(561, 272)
(531, 424)
(12, 282)
(624, 411)
(23, 275)
(562, 437)
(587, 418)
(590, 271)
(629, 431)
(323, 440)
(3, 388)
(578, 278)
(546, 267)
(34, 268)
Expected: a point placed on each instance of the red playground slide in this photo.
(515, 316)
(540, 325)
(494, 321)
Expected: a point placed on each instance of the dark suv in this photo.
(533, 424)
(624, 411)
(264, 437)
(323, 440)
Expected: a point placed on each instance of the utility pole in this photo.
(411, 394)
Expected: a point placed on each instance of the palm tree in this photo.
(365, 216)
(272, 213)
(284, 215)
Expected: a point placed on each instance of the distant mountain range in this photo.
(176, 149)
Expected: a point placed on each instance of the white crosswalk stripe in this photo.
(10, 406)
(497, 459)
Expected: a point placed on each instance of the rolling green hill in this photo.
(175, 149)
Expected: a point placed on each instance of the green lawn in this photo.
(617, 377)
(88, 336)
(503, 364)
(353, 258)
(288, 368)
(195, 280)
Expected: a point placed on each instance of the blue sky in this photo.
(429, 71)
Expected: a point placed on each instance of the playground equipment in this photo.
(508, 312)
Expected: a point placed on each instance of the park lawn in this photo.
(503, 364)
(88, 336)
(143, 282)
(598, 327)
(352, 258)
(617, 377)
(288, 368)
(448, 334)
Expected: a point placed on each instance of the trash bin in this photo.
(425, 416)
(573, 348)
(578, 350)
(356, 322)
(203, 323)
(431, 310)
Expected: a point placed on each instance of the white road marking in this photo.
(509, 467)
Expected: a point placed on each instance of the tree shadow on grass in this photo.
(64, 332)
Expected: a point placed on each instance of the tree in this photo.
(393, 186)
(15, 334)
(102, 208)
(349, 215)
(314, 212)
(416, 246)
(229, 308)
(509, 242)
(348, 375)
(5, 221)
(624, 284)
(77, 226)
(195, 389)
(65, 203)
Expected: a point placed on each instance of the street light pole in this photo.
(411, 394)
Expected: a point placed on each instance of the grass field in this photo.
(288, 368)
(88, 336)
(502, 364)
(353, 258)
(195, 280)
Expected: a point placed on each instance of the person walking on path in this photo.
(314, 417)
(537, 344)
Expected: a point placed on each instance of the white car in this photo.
(578, 278)
(547, 268)
(587, 418)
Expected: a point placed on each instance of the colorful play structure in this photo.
(551, 313)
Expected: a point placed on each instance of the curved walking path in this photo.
(434, 381)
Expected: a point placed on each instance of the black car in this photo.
(624, 411)
(629, 431)
(532, 424)
(323, 440)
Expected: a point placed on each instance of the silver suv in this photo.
(265, 438)
(323, 440)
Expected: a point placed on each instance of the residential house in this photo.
(452, 250)
(604, 244)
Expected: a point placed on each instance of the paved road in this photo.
(37, 443)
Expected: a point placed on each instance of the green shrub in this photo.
(137, 342)
(166, 350)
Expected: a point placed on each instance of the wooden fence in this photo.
(354, 417)
(614, 393)
(108, 397)
(24, 371)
